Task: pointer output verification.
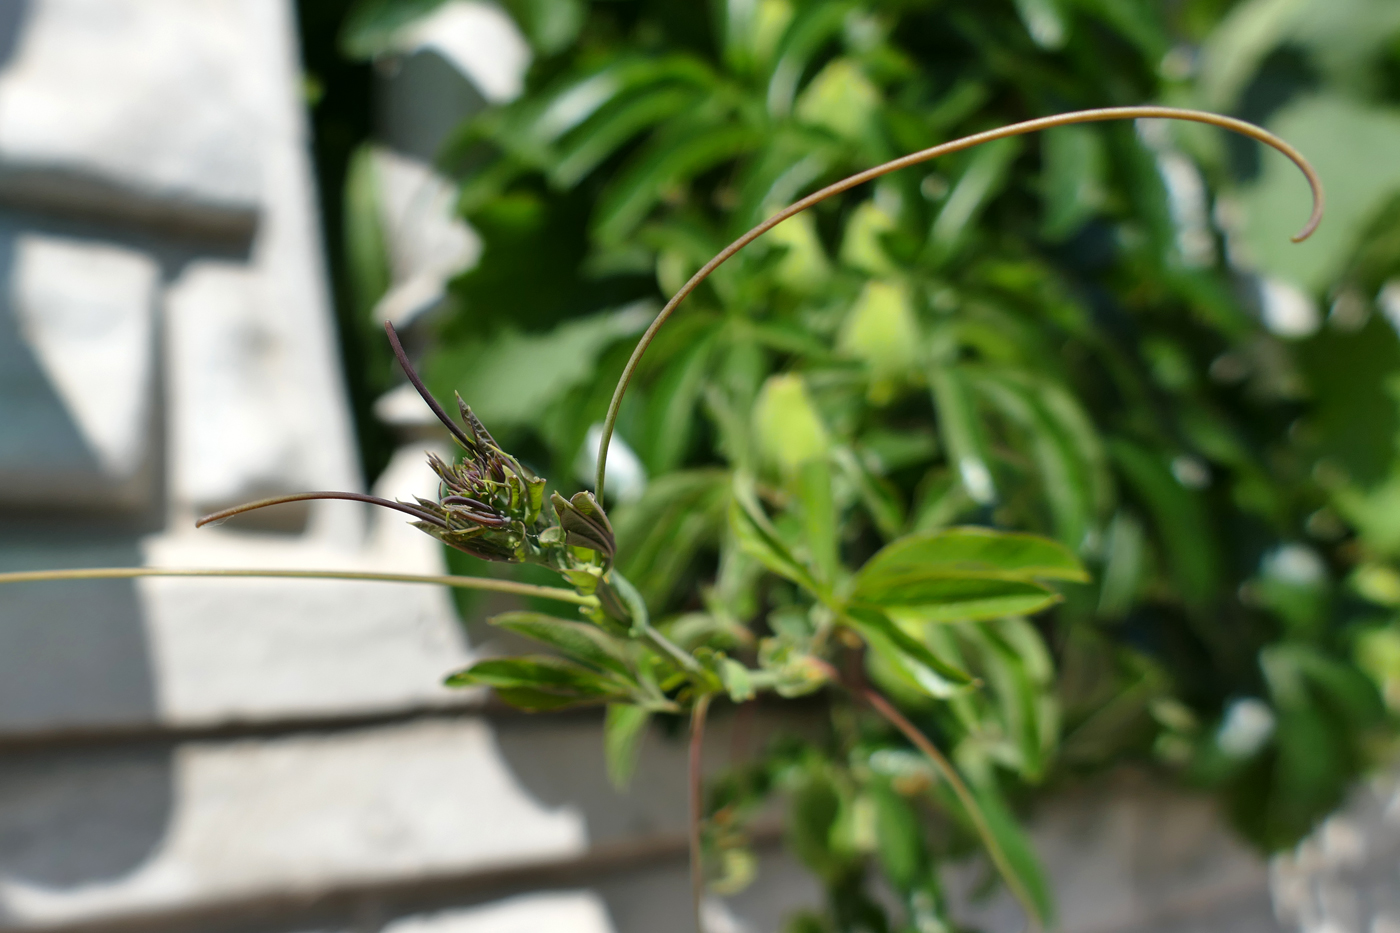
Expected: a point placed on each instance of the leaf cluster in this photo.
(1060, 338)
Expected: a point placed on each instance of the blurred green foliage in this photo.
(1101, 334)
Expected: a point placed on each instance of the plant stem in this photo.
(924, 155)
(684, 658)
(468, 583)
(697, 807)
(421, 514)
(964, 795)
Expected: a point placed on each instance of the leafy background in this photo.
(1101, 334)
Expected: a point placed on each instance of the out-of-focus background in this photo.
(208, 206)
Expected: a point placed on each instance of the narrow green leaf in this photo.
(1122, 574)
(759, 539)
(968, 552)
(962, 433)
(953, 599)
(877, 495)
(979, 182)
(668, 164)
(672, 415)
(580, 641)
(623, 729)
(907, 655)
(898, 835)
(659, 535)
(818, 516)
(1018, 851)
(368, 269)
(1067, 481)
(738, 681)
(1074, 182)
(539, 682)
(610, 130)
(550, 25)
(1179, 516)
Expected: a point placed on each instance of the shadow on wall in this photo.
(72, 656)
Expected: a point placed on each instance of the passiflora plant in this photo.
(921, 622)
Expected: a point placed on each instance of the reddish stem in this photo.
(697, 807)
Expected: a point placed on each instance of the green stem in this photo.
(467, 583)
(641, 621)
(924, 155)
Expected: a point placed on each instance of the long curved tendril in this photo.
(967, 142)
(423, 515)
(418, 513)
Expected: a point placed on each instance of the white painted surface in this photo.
(85, 310)
(553, 912)
(153, 94)
(250, 648)
(480, 40)
(301, 812)
(429, 244)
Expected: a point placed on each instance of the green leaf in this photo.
(610, 130)
(673, 403)
(663, 166)
(587, 103)
(953, 599)
(367, 253)
(1066, 480)
(623, 730)
(813, 28)
(737, 679)
(882, 332)
(861, 247)
(1074, 183)
(819, 516)
(539, 683)
(759, 539)
(804, 267)
(1018, 851)
(907, 655)
(1122, 575)
(580, 641)
(979, 182)
(969, 552)
(512, 379)
(1044, 21)
(964, 574)
(1017, 668)
(659, 535)
(841, 99)
(786, 424)
(1180, 519)
(880, 497)
(962, 433)
(899, 837)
